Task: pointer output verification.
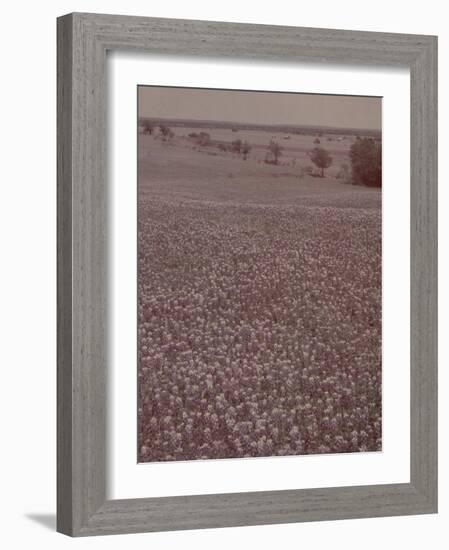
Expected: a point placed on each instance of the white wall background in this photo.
(27, 289)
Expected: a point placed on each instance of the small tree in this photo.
(320, 158)
(366, 162)
(148, 128)
(316, 141)
(164, 130)
(237, 146)
(275, 150)
(246, 148)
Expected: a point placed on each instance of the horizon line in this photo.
(284, 124)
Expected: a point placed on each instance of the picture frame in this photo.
(83, 40)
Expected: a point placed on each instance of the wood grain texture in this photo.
(83, 40)
(64, 278)
(423, 291)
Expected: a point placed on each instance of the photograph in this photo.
(259, 274)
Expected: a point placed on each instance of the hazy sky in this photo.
(261, 107)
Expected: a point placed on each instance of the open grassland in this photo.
(259, 304)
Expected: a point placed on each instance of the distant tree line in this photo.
(237, 146)
(164, 131)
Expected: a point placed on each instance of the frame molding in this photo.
(83, 40)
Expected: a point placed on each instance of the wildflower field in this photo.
(259, 308)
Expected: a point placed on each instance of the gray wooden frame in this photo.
(83, 40)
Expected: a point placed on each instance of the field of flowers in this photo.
(259, 329)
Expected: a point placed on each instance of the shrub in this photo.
(203, 139)
(344, 173)
(306, 170)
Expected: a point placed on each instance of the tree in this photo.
(275, 150)
(321, 158)
(237, 146)
(366, 162)
(148, 128)
(246, 148)
(164, 130)
(316, 141)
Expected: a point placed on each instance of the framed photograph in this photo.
(247, 274)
